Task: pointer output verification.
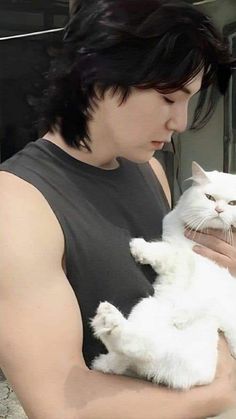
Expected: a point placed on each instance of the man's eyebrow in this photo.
(187, 91)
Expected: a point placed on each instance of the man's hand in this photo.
(226, 374)
(216, 245)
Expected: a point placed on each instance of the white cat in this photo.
(171, 337)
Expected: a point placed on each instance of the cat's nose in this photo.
(219, 209)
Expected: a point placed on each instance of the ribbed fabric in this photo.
(99, 212)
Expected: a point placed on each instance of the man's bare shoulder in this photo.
(26, 218)
(41, 330)
(15, 188)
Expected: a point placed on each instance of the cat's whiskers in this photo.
(232, 242)
(193, 219)
(227, 236)
(231, 236)
(192, 224)
(200, 224)
(196, 222)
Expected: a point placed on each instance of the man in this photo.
(70, 203)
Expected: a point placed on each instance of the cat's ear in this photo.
(199, 176)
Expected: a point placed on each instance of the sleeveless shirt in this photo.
(99, 211)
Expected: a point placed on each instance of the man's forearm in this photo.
(85, 394)
(105, 396)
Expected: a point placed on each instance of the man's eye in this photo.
(210, 197)
(169, 101)
(232, 203)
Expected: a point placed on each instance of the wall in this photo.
(206, 145)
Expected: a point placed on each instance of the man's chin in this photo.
(145, 158)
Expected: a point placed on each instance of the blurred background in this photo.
(30, 32)
(28, 39)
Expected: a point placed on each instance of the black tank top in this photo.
(99, 212)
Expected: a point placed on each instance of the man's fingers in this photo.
(211, 242)
(219, 258)
(214, 248)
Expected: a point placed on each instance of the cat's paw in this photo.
(137, 249)
(107, 320)
(110, 363)
(100, 363)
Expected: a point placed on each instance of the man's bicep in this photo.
(40, 321)
(39, 325)
(41, 340)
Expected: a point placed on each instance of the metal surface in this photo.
(24, 16)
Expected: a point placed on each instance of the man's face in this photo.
(142, 124)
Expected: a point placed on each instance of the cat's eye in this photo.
(210, 197)
(232, 203)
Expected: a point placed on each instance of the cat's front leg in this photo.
(157, 254)
(107, 324)
(111, 363)
(118, 334)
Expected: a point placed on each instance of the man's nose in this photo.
(178, 121)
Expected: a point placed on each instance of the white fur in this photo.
(172, 337)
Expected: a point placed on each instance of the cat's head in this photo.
(211, 200)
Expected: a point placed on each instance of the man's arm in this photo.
(41, 330)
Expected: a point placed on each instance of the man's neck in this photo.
(93, 158)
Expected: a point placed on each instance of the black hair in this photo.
(120, 44)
